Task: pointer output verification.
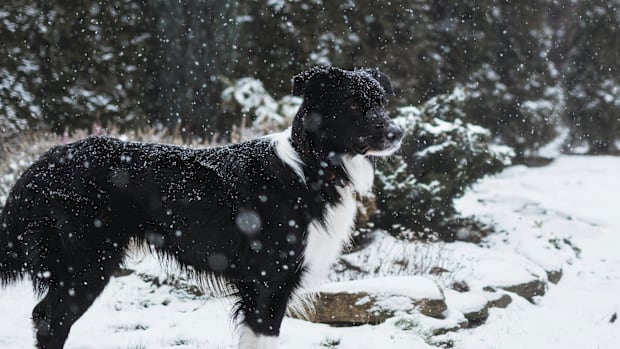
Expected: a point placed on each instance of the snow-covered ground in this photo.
(578, 197)
(574, 199)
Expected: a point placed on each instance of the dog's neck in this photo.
(326, 165)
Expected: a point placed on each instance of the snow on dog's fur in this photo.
(268, 215)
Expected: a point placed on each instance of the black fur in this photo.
(226, 211)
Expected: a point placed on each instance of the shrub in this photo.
(441, 157)
(247, 97)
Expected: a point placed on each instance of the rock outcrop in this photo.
(372, 301)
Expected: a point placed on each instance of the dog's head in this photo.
(344, 111)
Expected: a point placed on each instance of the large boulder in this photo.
(351, 308)
(372, 301)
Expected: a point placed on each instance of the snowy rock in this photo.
(434, 308)
(347, 309)
(475, 305)
(528, 290)
(512, 273)
(372, 301)
(554, 276)
(547, 256)
(498, 300)
(429, 326)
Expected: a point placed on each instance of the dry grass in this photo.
(390, 256)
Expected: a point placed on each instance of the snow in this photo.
(425, 325)
(576, 197)
(466, 302)
(416, 287)
(562, 215)
(514, 270)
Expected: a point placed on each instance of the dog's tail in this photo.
(11, 264)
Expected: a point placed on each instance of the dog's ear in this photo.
(303, 81)
(382, 79)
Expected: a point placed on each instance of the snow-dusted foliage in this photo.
(248, 96)
(525, 116)
(587, 43)
(10, 123)
(441, 157)
(69, 65)
(17, 154)
(65, 65)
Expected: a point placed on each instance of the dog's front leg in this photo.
(262, 306)
(251, 340)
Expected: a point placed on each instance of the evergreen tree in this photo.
(391, 36)
(194, 48)
(71, 65)
(130, 63)
(588, 42)
(499, 50)
(20, 80)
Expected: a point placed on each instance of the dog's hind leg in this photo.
(60, 308)
(74, 282)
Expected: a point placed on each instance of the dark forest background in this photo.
(531, 71)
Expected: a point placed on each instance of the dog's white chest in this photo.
(325, 241)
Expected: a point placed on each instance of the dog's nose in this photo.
(393, 133)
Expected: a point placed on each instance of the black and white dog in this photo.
(268, 215)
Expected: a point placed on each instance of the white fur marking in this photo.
(360, 172)
(250, 340)
(286, 152)
(325, 242)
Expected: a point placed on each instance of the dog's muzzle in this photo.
(386, 141)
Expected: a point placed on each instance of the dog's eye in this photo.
(354, 107)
